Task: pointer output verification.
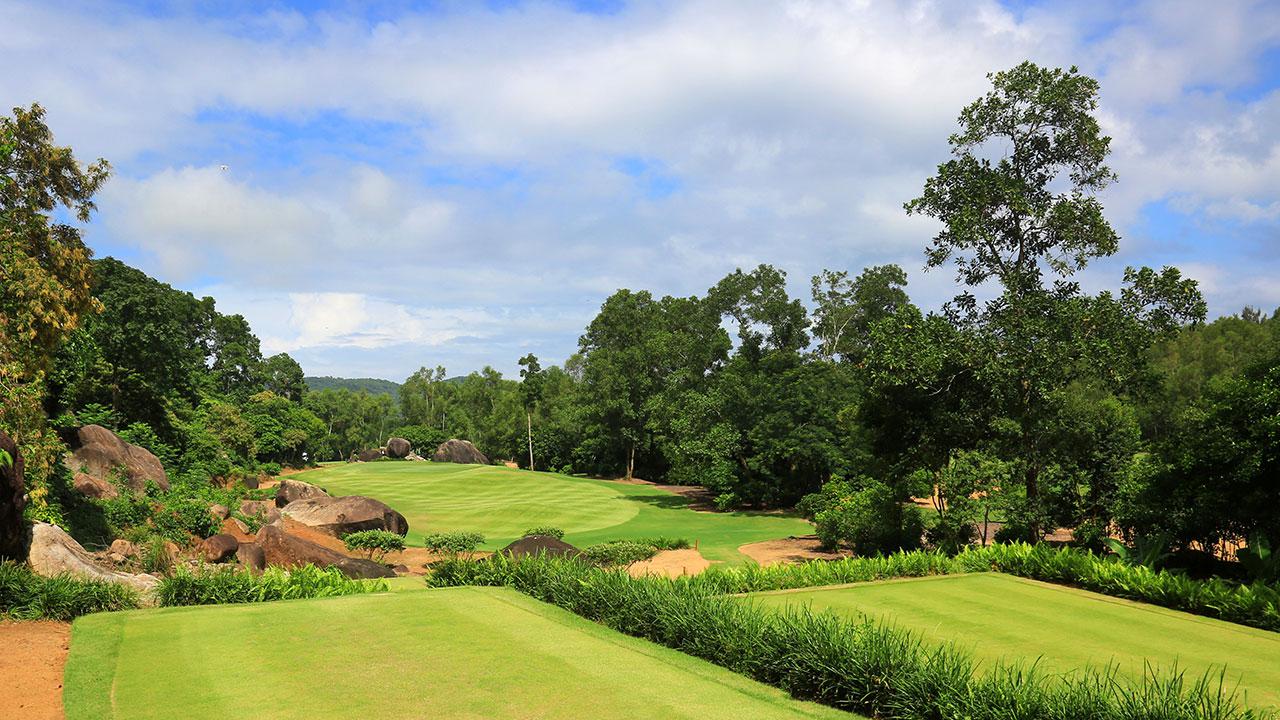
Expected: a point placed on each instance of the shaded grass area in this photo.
(502, 502)
(1001, 617)
(457, 653)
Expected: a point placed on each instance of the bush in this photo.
(666, 543)
(619, 553)
(270, 468)
(863, 518)
(454, 543)
(27, 596)
(154, 555)
(210, 585)
(548, 530)
(861, 666)
(375, 544)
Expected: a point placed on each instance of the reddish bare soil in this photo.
(31, 669)
(789, 550)
(672, 563)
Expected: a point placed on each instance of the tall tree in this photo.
(531, 382)
(845, 309)
(420, 397)
(1030, 213)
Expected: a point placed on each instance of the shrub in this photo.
(375, 544)
(861, 666)
(270, 468)
(666, 543)
(210, 585)
(548, 530)
(619, 553)
(862, 517)
(454, 543)
(27, 596)
(154, 555)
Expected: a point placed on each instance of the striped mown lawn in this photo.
(502, 502)
(443, 654)
(1001, 616)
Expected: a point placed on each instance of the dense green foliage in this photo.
(372, 386)
(863, 666)
(219, 585)
(374, 543)
(27, 596)
(548, 530)
(454, 543)
(619, 553)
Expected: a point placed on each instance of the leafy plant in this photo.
(1259, 560)
(225, 584)
(155, 556)
(1149, 551)
(375, 544)
(27, 596)
(548, 530)
(454, 543)
(619, 553)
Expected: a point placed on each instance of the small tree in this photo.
(530, 394)
(375, 544)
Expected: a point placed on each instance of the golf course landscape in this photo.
(1060, 629)
(454, 653)
(501, 503)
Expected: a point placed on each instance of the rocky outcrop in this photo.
(99, 453)
(459, 451)
(251, 557)
(13, 498)
(398, 447)
(54, 552)
(93, 487)
(219, 548)
(534, 545)
(293, 490)
(339, 516)
(262, 509)
(285, 550)
(369, 455)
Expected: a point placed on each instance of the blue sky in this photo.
(460, 183)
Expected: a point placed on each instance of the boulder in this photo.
(93, 487)
(459, 451)
(237, 529)
(219, 512)
(218, 548)
(414, 457)
(534, 545)
(339, 516)
(251, 481)
(281, 548)
(54, 552)
(99, 452)
(292, 490)
(369, 455)
(264, 509)
(124, 548)
(13, 498)
(398, 447)
(250, 555)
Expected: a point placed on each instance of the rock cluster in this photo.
(54, 552)
(99, 453)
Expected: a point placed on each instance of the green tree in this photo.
(845, 310)
(282, 375)
(1030, 213)
(421, 395)
(531, 382)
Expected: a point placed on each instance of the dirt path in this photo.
(792, 549)
(672, 563)
(31, 669)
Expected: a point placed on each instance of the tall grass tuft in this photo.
(221, 585)
(860, 666)
(27, 596)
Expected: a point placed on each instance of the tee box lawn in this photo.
(442, 654)
(1061, 629)
(502, 503)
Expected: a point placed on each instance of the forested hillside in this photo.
(373, 386)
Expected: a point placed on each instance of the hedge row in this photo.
(223, 585)
(859, 666)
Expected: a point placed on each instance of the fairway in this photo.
(502, 502)
(1001, 616)
(443, 654)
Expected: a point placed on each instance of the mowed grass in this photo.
(442, 654)
(1063, 629)
(502, 502)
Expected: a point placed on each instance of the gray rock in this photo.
(293, 490)
(398, 447)
(54, 552)
(459, 451)
(339, 516)
(252, 557)
(219, 548)
(286, 550)
(99, 452)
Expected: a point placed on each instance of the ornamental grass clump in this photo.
(861, 666)
(27, 596)
(226, 585)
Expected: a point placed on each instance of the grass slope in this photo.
(1001, 616)
(456, 653)
(501, 503)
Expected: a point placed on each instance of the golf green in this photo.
(1001, 616)
(501, 503)
(442, 654)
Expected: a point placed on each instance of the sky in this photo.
(380, 187)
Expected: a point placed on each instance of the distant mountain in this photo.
(373, 386)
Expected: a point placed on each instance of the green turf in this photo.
(501, 503)
(457, 653)
(1001, 616)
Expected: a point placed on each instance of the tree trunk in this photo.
(631, 460)
(528, 416)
